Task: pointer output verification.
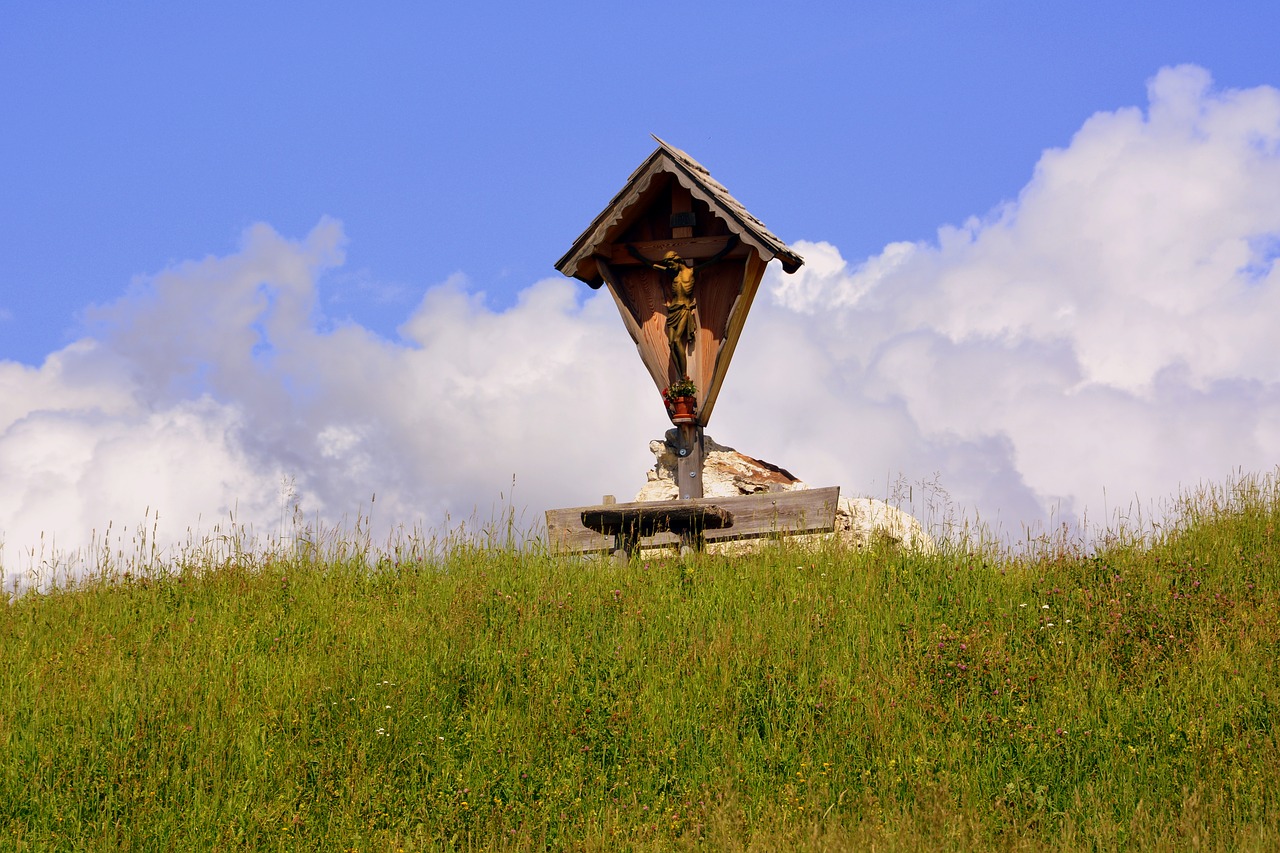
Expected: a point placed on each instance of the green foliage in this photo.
(1121, 697)
(681, 388)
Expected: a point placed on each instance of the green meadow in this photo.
(1123, 694)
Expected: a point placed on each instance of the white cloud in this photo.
(1112, 328)
(1109, 329)
(208, 386)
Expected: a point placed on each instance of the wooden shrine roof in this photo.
(608, 225)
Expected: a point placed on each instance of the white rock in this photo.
(865, 521)
(725, 473)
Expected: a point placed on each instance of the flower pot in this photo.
(683, 410)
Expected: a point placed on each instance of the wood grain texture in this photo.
(657, 363)
(694, 248)
(647, 290)
(752, 272)
(717, 290)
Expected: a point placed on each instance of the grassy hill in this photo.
(1124, 696)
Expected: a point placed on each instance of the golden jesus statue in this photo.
(682, 307)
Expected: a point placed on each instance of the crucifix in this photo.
(682, 306)
(681, 326)
(682, 259)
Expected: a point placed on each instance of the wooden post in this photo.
(689, 464)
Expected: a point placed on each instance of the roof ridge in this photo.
(767, 244)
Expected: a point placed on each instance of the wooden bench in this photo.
(691, 523)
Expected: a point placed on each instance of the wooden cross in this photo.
(671, 204)
(682, 259)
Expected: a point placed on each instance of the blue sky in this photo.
(481, 137)
(257, 235)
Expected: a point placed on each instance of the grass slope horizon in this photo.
(1115, 696)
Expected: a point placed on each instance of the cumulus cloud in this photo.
(215, 391)
(1106, 334)
(1110, 329)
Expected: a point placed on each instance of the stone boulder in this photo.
(860, 522)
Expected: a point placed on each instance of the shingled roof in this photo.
(608, 225)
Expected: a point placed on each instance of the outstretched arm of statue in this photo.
(635, 253)
(728, 247)
(665, 263)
